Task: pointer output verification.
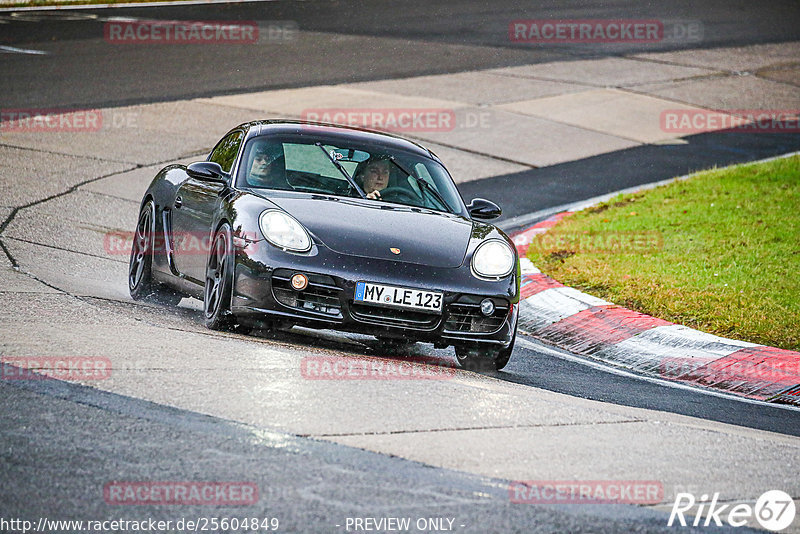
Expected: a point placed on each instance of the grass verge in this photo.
(719, 252)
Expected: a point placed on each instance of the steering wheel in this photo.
(398, 194)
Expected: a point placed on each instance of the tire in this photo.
(140, 265)
(219, 279)
(482, 359)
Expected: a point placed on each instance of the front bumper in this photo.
(261, 293)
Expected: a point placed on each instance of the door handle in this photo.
(178, 202)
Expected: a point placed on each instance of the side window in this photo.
(225, 151)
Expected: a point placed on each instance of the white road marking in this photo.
(526, 343)
(14, 50)
(527, 267)
(555, 304)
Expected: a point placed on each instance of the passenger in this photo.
(268, 168)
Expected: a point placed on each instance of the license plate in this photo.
(398, 297)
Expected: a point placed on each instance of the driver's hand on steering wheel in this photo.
(375, 195)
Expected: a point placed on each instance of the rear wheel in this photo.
(476, 358)
(219, 273)
(140, 266)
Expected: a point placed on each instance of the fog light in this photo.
(299, 281)
(487, 307)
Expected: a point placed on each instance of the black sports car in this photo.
(297, 223)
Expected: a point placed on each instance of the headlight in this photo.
(493, 259)
(283, 231)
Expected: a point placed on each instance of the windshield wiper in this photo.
(342, 170)
(425, 186)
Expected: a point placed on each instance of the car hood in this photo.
(369, 228)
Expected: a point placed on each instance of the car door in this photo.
(195, 204)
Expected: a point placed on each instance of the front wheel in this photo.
(140, 267)
(485, 359)
(219, 273)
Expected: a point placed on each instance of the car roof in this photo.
(334, 131)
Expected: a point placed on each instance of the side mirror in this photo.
(481, 208)
(207, 171)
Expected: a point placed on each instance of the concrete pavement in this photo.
(306, 485)
(466, 422)
(69, 295)
(584, 108)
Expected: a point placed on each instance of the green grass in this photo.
(719, 252)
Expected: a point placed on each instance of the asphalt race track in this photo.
(355, 41)
(188, 404)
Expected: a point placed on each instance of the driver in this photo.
(268, 167)
(373, 175)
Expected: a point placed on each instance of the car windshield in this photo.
(334, 169)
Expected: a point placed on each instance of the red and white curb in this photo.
(589, 326)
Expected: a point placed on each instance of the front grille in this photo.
(321, 295)
(465, 315)
(394, 317)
